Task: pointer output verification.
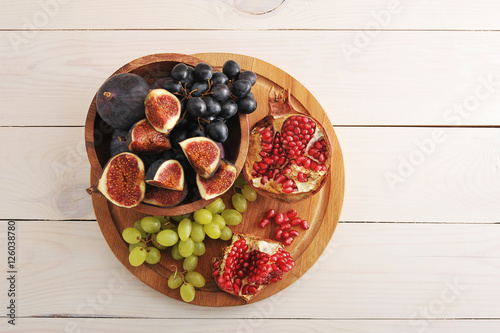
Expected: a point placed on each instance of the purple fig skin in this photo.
(120, 100)
(119, 142)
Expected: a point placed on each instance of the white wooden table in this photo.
(412, 89)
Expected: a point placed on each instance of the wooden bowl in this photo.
(152, 68)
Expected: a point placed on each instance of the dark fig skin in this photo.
(120, 100)
(119, 142)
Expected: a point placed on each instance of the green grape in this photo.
(212, 230)
(190, 263)
(222, 208)
(232, 217)
(150, 224)
(239, 202)
(249, 193)
(137, 225)
(219, 220)
(137, 256)
(187, 292)
(240, 180)
(156, 244)
(175, 252)
(131, 235)
(162, 219)
(202, 216)
(167, 237)
(186, 247)
(197, 232)
(215, 206)
(174, 281)
(226, 233)
(199, 249)
(179, 218)
(184, 229)
(152, 255)
(196, 279)
(133, 246)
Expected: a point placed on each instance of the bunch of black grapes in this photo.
(209, 98)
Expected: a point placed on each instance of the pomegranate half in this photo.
(250, 263)
(289, 154)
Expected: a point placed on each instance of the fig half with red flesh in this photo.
(163, 197)
(122, 180)
(203, 154)
(218, 183)
(168, 174)
(250, 263)
(289, 154)
(144, 139)
(163, 110)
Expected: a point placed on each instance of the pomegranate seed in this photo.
(267, 160)
(291, 213)
(293, 233)
(278, 219)
(285, 226)
(295, 221)
(287, 190)
(300, 160)
(286, 171)
(278, 234)
(304, 225)
(281, 160)
(322, 158)
(288, 183)
(264, 180)
(318, 168)
(271, 213)
(288, 241)
(264, 223)
(236, 288)
(256, 166)
(302, 177)
(307, 163)
(312, 151)
(313, 165)
(285, 234)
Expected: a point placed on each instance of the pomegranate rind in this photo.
(272, 189)
(122, 180)
(262, 245)
(203, 154)
(145, 139)
(219, 183)
(168, 174)
(163, 110)
(163, 197)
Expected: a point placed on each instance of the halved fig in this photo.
(144, 139)
(168, 174)
(203, 154)
(250, 263)
(218, 183)
(122, 180)
(163, 109)
(163, 197)
(289, 154)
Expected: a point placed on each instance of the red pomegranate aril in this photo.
(279, 218)
(322, 158)
(270, 213)
(302, 177)
(313, 165)
(291, 213)
(285, 234)
(285, 226)
(300, 160)
(287, 189)
(256, 166)
(307, 163)
(312, 151)
(264, 223)
(281, 160)
(318, 145)
(318, 168)
(263, 154)
(264, 180)
(278, 234)
(288, 241)
(280, 179)
(304, 225)
(288, 183)
(293, 233)
(295, 221)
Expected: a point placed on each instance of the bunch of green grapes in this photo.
(187, 281)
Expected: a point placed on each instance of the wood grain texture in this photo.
(413, 78)
(104, 325)
(237, 15)
(305, 250)
(47, 170)
(368, 270)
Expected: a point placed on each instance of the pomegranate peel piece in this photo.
(250, 263)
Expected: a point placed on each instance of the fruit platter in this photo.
(216, 179)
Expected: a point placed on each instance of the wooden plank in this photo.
(371, 271)
(105, 325)
(417, 78)
(225, 14)
(392, 174)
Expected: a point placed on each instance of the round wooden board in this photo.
(321, 210)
